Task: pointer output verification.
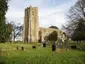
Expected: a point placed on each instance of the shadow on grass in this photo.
(83, 58)
(82, 55)
(2, 60)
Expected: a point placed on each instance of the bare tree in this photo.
(74, 15)
(16, 30)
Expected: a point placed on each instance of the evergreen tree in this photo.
(53, 36)
(3, 10)
(79, 32)
(54, 27)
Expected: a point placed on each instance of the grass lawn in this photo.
(40, 55)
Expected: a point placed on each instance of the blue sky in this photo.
(51, 12)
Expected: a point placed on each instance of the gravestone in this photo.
(22, 48)
(65, 43)
(60, 43)
(53, 47)
(73, 47)
(17, 48)
(44, 44)
(33, 47)
(0, 51)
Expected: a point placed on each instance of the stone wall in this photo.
(46, 31)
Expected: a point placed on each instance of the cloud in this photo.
(51, 12)
(15, 15)
(54, 16)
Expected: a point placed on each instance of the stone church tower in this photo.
(31, 25)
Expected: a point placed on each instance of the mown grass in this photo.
(40, 55)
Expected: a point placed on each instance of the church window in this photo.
(33, 13)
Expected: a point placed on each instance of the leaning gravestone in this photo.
(44, 44)
(73, 47)
(22, 48)
(0, 51)
(17, 48)
(66, 43)
(33, 47)
(60, 43)
(53, 47)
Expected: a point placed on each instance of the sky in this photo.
(50, 12)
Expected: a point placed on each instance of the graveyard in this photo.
(42, 31)
(15, 54)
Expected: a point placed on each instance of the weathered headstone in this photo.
(53, 47)
(17, 48)
(44, 44)
(60, 43)
(73, 47)
(65, 44)
(34, 47)
(0, 51)
(22, 48)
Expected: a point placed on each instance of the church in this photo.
(32, 32)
